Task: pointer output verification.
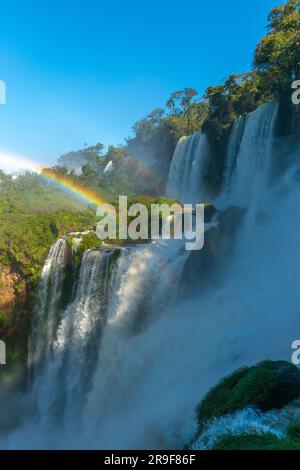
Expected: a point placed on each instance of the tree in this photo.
(277, 56)
(180, 101)
(62, 170)
(94, 150)
(88, 172)
(116, 154)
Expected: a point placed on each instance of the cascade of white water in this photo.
(249, 176)
(155, 379)
(248, 421)
(48, 304)
(232, 150)
(185, 181)
(110, 301)
(68, 368)
(148, 284)
(129, 361)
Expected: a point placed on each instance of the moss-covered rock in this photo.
(265, 441)
(267, 385)
(80, 244)
(290, 440)
(293, 431)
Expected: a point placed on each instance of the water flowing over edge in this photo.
(126, 362)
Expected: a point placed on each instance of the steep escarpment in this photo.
(25, 238)
(12, 293)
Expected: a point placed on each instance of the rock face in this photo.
(266, 386)
(204, 268)
(12, 293)
(295, 119)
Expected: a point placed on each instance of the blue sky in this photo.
(84, 71)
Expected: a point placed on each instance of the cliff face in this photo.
(14, 323)
(296, 119)
(12, 292)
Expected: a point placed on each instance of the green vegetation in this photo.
(267, 385)
(105, 185)
(263, 441)
(141, 165)
(25, 239)
(276, 65)
(30, 194)
(277, 56)
(32, 216)
(33, 212)
(293, 430)
(84, 242)
(147, 201)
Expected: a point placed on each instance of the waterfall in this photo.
(48, 304)
(248, 162)
(185, 180)
(126, 362)
(81, 362)
(73, 347)
(153, 378)
(232, 150)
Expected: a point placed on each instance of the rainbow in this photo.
(67, 184)
(16, 162)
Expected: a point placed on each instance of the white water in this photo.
(248, 163)
(47, 308)
(249, 421)
(232, 151)
(61, 386)
(109, 313)
(185, 181)
(155, 356)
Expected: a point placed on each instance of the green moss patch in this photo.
(265, 441)
(267, 385)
